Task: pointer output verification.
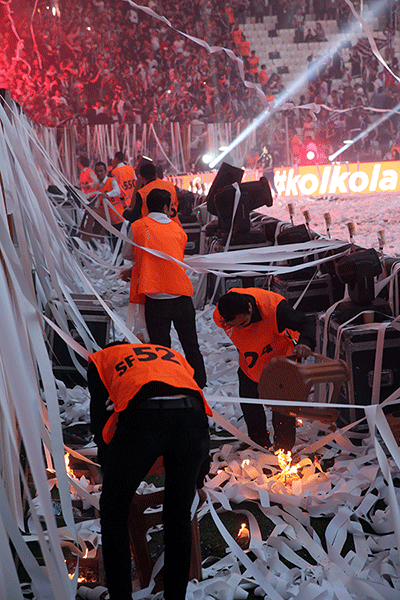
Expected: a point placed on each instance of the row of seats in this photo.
(293, 55)
(263, 44)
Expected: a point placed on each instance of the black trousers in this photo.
(254, 415)
(160, 314)
(181, 437)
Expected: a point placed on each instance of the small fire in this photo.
(81, 578)
(287, 469)
(243, 535)
(67, 465)
(245, 463)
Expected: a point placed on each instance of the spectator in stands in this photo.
(298, 24)
(395, 151)
(258, 10)
(333, 99)
(263, 77)
(320, 8)
(355, 61)
(309, 37)
(244, 47)
(142, 60)
(253, 66)
(309, 127)
(236, 34)
(319, 33)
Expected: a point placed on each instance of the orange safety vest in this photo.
(125, 177)
(263, 77)
(160, 184)
(253, 64)
(236, 36)
(126, 368)
(152, 274)
(86, 182)
(117, 202)
(244, 48)
(260, 341)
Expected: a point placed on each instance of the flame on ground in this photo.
(288, 471)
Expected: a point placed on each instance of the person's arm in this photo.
(99, 414)
(95, 182)
(115, 191)
(128, 253)
(128, 250)
(133, 213)
(289, 318)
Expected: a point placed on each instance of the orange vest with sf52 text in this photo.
(126, 368)
(260, 341)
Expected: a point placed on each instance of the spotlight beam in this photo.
(298, 83)
(361, 135)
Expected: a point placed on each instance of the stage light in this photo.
(54, 11)
(310, 155)
(296, 85)
(207, 158)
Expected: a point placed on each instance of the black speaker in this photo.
(227, 174)
(256, 193)
(297, 234)
(252, 195)
(358, 270)
(224, 202)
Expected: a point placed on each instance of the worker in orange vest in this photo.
(108, 189)
(160, 284)
(87, 177)
(146, 182)
(125, 176)
(161, 412)
(252, 61)
(262, 325)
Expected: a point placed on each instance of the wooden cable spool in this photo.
(285, 379)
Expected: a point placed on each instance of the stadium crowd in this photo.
(96, 61)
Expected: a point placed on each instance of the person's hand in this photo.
(301, 351)
(109, 405)
(125, 274)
